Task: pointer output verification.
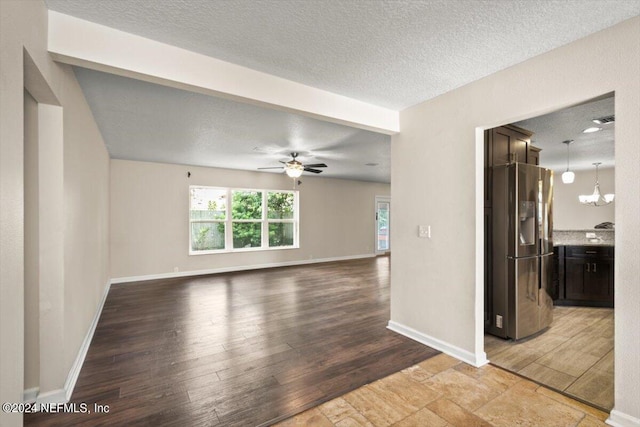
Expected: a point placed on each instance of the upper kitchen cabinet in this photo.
(533, 156)
(509, 143)
(506, 144)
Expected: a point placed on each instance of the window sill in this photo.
(242, 250)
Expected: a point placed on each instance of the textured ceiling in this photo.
(390, 53)
(551, 129)
(148, 122)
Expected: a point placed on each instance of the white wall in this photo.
(437, 284)
(31, 246)
(150, 230)
(85, 168)
(569, 213)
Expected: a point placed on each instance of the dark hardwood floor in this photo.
(245, 348)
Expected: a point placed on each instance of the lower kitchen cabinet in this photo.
(588, 276)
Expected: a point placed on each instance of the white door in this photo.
(383, 216)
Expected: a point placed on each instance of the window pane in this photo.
(246, 205)
(280, 234)
(208, 203)
(247, 234)
(280, 205)
(207, 236)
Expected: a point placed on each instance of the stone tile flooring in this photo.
(442, 391)
(575, 355)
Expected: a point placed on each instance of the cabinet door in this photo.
(500, 141)
(533, 157)
(518, 148)
(575, 270)
(507, 145)
(589, 279)
(597, 280)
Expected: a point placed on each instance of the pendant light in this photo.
(568, 176)
(596, 199)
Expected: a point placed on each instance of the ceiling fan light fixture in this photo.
(294, 169)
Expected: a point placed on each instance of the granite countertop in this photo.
(581, 243)
(579, 237)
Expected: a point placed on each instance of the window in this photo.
(252, 220)
(281, 218)
(207, 214)
(246, 212)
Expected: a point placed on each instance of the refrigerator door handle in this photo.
(588, 267)
(594, 267)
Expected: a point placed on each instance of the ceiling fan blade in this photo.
(277, 167)
(316, 165)
(312, 170)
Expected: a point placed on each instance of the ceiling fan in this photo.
(294, 168)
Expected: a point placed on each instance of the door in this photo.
(545, 291)
(525, 299)
(383, 212)
(545, 211)
(525, 217)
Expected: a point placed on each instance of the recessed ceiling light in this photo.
(371, 164)
(591, 130)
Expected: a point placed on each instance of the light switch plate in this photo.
(424, 231)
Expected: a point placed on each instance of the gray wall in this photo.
(336, 218)
(437, 284)
(83, 235)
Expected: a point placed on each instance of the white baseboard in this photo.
(30, 394)
(53, 396)
(472, 359)
(235, 268)
(620, 419)
(63, 395)
(70, 384)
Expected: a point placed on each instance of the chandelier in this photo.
(596, 199)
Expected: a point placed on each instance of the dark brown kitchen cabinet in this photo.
(533, 156)
(502, 145)
(588, 276)
(509, 143)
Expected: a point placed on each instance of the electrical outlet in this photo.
(498, 321)
(591, 235)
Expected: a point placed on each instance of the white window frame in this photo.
(265, 221)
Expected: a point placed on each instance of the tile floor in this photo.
(443, 391)
(575, 355)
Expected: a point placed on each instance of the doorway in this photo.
(575, 354)
(382, 230)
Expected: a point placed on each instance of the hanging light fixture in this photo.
(568, 176)
(293, 168)
(596, 199)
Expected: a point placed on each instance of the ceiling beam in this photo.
(86, 44)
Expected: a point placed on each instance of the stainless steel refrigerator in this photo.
(522, 250)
